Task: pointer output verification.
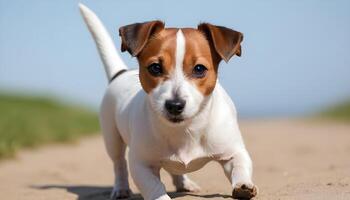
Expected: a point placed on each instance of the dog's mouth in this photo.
(175, 119)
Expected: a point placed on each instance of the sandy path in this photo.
(292, 160)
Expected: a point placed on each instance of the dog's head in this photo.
(178, 67)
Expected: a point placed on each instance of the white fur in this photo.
(109, 56)
(131, 117)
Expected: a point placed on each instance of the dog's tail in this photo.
(112, 62)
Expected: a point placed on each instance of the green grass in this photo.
(339, 112)
(32, 121)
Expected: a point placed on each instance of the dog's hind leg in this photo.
(116, 150)
(184, 184)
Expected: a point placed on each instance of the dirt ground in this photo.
(293, 159)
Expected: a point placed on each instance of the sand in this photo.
(293, 159)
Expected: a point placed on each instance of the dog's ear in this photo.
(135, 36)
(226, 42)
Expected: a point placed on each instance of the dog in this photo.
(172, 112)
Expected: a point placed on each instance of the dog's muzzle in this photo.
(175, 107)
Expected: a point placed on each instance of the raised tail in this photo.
(104, 43)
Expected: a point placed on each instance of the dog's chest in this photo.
(185, 161)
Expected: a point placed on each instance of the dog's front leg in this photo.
(238, 170)
(147, 179)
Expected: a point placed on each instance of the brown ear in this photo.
(227, 42)
(135, 36)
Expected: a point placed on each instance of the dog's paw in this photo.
(244, 191)
(188, 186)
(120, 194)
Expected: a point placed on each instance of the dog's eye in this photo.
(199, 71)
(155, 69)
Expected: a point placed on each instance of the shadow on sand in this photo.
(86, 192)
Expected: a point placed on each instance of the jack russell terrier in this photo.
(172, 112)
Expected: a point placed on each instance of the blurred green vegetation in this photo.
(338, 112)
(30, 121)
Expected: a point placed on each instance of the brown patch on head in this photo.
(208, 45)
(151, 43)
(199, 52)
(159, 49)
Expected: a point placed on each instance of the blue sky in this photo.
(295, 55)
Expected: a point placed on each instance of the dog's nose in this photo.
(175, 106)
